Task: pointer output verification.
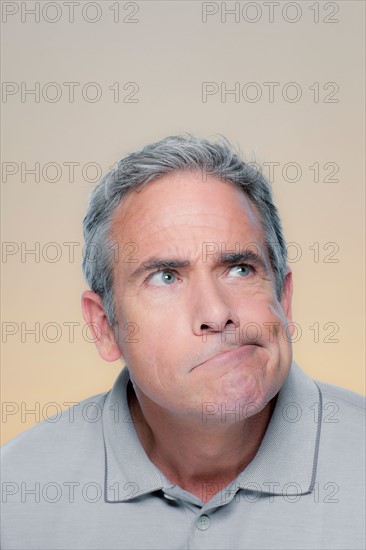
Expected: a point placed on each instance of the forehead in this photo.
(184, 201)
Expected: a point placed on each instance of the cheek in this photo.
(260, 319)
(255, 383)
(154, 351)
(139, 328)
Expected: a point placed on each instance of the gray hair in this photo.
(173, 154)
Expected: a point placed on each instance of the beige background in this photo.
(168, 52)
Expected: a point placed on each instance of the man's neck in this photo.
(195, 455)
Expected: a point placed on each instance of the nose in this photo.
(212, 307)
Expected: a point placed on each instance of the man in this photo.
(212, 437)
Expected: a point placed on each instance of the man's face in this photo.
(183, 316)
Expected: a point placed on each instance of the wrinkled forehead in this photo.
(184, 198)
(182, 216)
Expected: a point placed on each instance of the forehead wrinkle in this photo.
(149, 225)
(162, 203)
(170, 246)
(172, 222)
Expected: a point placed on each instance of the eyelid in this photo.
(251, 266)
(161, 270)
(171, 270)
(252, 269)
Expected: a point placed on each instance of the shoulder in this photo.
(63, 436)
(342, 431)
(349, 401)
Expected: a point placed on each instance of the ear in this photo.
(95, 316)
(286, 300)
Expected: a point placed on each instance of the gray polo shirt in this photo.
(83, 481)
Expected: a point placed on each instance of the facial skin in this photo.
(186, 315)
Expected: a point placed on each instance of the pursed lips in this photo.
(230, 355)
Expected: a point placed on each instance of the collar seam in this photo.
(317, 439)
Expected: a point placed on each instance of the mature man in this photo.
(212, 437)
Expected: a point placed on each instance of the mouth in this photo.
(229, 357)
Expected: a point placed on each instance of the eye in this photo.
(246, 269)
(156, 277)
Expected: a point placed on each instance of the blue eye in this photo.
(247, 269)
(165, 278)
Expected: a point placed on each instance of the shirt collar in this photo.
(129, 472)
(286, 458)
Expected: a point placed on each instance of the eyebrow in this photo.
(174, 263)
